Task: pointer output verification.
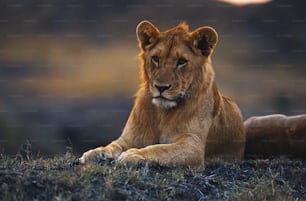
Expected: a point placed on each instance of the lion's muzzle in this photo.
(161, 96)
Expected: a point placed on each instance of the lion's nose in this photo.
(162, 88)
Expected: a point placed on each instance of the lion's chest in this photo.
(168, 127)
(166, 139)
(167, 133)
(170, 133)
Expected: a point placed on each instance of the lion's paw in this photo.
(93, 155)
(132, 156)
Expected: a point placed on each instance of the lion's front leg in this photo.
(187, 151)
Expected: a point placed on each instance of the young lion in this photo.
(179, 116)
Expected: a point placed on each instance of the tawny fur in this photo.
(276, 135)
(187, 120)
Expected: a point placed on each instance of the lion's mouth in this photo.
(162, 101)
(176, 99)
(163, 98)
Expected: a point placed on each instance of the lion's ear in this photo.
(205, 39)
(147, 33)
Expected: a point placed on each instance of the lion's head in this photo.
(175, 62)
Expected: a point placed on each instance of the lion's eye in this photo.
(181, 62)
(155, 60)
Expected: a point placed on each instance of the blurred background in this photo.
(69, 69)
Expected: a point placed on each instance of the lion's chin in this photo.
(164, 103)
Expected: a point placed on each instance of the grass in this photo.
(25, 177)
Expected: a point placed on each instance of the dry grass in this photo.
(25, 177)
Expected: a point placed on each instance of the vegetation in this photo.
(25, 177)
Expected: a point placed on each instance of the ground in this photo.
(25, 177)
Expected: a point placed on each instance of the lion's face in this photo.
(169, 68)
(174, 60)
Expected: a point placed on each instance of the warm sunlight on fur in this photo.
(179, 116)
(245, 2)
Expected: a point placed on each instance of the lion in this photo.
(179, 117)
